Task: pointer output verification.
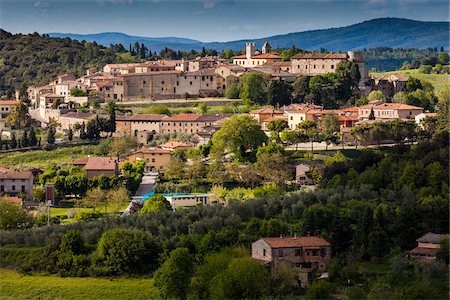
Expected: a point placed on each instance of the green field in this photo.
(41, 158)
(15, 286)
(439, 81)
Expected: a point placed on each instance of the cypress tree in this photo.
(24, 139)
(13, 141)
(32, 140)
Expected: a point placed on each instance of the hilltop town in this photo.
(249, 177)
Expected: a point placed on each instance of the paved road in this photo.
(147, 184)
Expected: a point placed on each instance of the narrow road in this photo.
(146, 186)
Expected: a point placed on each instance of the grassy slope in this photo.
(40, 158)
(15, 286)
(439, 81)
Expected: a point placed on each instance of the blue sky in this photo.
(206, 20)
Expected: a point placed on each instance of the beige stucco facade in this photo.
(156, 159)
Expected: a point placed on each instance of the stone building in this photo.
(156, 159)
(97, 166)
(14, 183)
(141, 125)
(387, 111)
(302, 254)
(6, 107)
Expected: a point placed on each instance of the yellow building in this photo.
(156, 159)
(251, 58)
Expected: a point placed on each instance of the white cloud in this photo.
(114, 2)
(41, 4)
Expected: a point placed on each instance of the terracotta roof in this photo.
(141, 117)
(266, 111)
(175, 144)
(9, 102)
(320, 56)
(298, 111)
(424, 251)
(117, 66)
(350, 109)
(153, 73)
(11, 200)
(266, 55)
(259, 56)
(270, 119)
(103, 83)
(300, 106)
(155, 150)
(348, 118)
(212, 117)
(431, 237)
(303, 241)
(81, 161)
(101, 163)
(397, 106)
(183, 117)
(9, 174)
(202, 72)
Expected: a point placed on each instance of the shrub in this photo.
(320, 290)
(127, 251)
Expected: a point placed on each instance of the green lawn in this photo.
(40, 158)
(15, 286)
(439, 81)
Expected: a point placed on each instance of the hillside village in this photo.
(183, 175)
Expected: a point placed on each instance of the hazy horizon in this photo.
(206, 20)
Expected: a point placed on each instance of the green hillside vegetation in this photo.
(41, 158)
(16, 286)
(38, 59)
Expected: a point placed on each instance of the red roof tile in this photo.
(424, 251)
(303, 241)
(9, 174)
(183, 117)
(9, 102)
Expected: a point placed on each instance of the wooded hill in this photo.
(37, 59)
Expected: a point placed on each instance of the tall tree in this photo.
(279, 93)
(19, 116)
(241, 135)
(24, 139)
(51, 133)
(309, 129)
(253, 87)
(300, 89)
(70, 134)
(329, 128)
(32, 137)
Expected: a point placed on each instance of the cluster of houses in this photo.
(201, 77)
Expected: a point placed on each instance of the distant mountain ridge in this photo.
(383, 32)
